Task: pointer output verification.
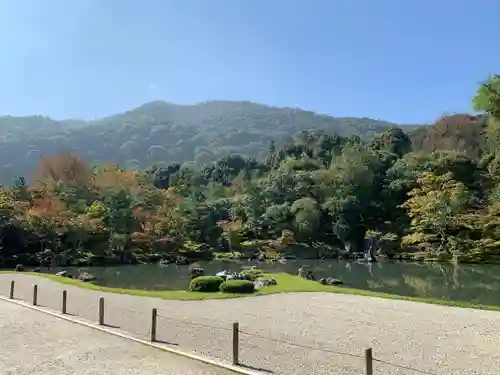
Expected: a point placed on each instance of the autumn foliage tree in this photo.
(67, 169)
(436, 207)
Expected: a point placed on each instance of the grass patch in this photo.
(286, 283)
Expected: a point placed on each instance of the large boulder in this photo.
(262, 282)
(306, 273)
(182, 261)
(235, 276)
(330, 281)
(19, 268)
(86, 277)
(224, 274)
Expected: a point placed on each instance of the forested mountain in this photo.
(160, 132)
(318, 191)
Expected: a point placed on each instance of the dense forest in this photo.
(162, 133)
(321, 193)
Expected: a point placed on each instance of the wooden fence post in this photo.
(101, 311)
(64, 301)
(369, 361)
(236, 332)
(154, 316)
(35, 294)
(11, 294)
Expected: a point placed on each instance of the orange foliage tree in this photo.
(68, 169)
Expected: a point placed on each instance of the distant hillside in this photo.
(160, 132)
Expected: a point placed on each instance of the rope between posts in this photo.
(302, 346)
(195, 324)
(132, 311)
(403, 367)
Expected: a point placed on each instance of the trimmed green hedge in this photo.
(206, 284)
(237, 286)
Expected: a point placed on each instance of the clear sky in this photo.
(407, 61)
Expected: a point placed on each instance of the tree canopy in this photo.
(314, 187)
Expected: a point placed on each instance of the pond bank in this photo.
(190, 257)
(286, 284)
(474, 284)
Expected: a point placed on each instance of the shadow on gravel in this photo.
(256, 368)
(111, 326)
(164, 342)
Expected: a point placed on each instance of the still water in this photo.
(473, 283)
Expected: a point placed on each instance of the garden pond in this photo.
(471, 283)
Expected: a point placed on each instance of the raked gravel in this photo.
(429, 339)
(34, 343)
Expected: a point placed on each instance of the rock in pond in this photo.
(64, 274)
(195, 272)
(182, 261)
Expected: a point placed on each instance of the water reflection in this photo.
(473, 283)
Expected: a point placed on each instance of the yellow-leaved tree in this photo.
(435, 208)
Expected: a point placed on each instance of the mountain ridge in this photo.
(160, 132)
(85, 122)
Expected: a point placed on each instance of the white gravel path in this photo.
(35, 343)
(431, 339)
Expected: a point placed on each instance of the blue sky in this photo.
(405, 61)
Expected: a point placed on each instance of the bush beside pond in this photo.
(206, 284)
(251, 274)
(237, 287)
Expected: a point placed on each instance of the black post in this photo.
(369, 361)
(64, 301)
(236, 333)
(154, 317)
(35, 294)
(101, 311)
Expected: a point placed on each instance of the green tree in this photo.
(119, 216)
(487, 98)
(307, 215)
(435, 208)
(393, 140)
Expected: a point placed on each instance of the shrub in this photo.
(206, 284)
(251, 274)
(237, 286)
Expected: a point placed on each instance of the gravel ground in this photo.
(427, 338)
(35, 343)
